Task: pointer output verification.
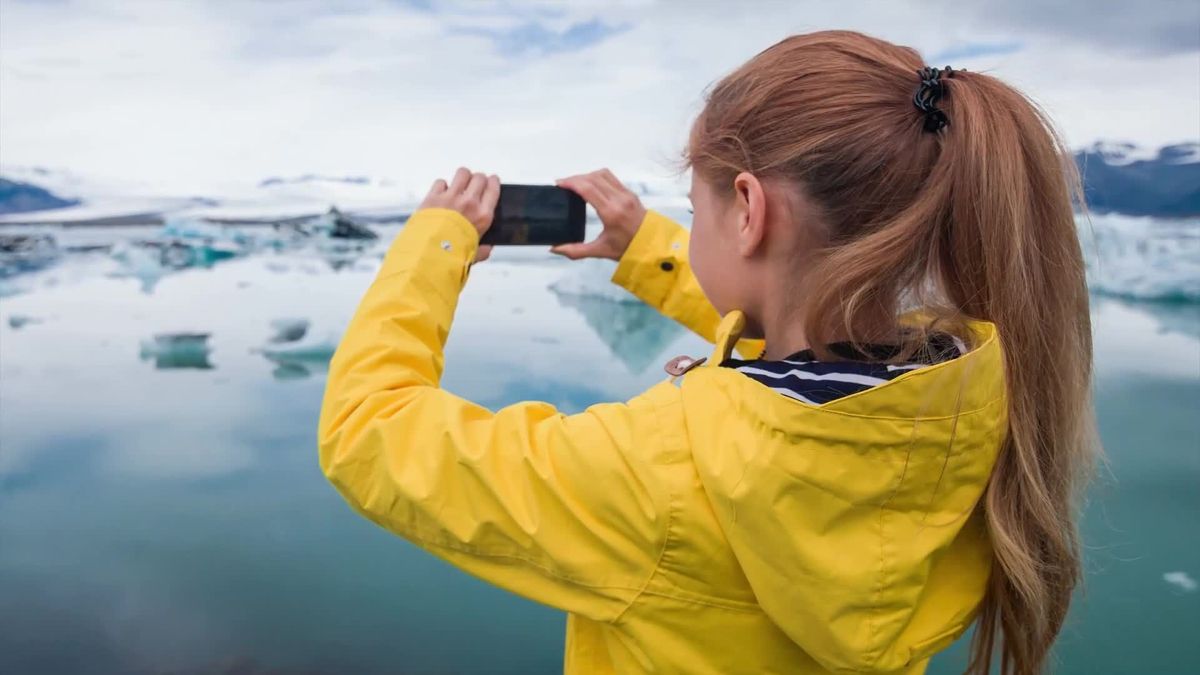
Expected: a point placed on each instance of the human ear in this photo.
(750, 205)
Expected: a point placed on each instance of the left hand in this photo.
(474, 195)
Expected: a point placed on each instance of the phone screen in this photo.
(536, 215)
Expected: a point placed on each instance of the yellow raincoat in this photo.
(708, 525)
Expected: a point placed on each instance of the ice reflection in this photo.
(291, 370)
(635, 334)
(1180, 318)
(1153, 338)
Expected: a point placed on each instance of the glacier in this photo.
(1141, 258)
(1145, 258)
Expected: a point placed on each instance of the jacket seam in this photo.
(668, 529)
(422, 540)
(708, 601)
(882, 582)
(701, 598)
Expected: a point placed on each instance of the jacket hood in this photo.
(855, 522)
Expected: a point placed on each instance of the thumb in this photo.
(574, 251)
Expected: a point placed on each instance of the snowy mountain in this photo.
(1118, 178)
(314, 178)
(92, 200)
(1124, 178)
(78, 198)
(18, 197)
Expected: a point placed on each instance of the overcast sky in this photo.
(188, 95)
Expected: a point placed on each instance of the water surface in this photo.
(165, 513)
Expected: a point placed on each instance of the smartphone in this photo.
(536, 215)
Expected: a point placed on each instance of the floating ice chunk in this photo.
(17, 321)
(139, 263)
(202, 231)
(1182, 580)
(340, 226)
(26, 252)
(177, 350)
(288, 330)
(316, 350)
(301, 358)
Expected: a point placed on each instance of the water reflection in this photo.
(634, 333)
(296, 354)
(1181, 318)
(19, 321)
(291, 370)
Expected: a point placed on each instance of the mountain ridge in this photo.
(1118, 177)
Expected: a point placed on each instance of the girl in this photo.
(893, 249)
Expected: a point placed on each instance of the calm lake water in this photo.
(163, 512)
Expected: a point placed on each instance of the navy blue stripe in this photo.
(820, 382)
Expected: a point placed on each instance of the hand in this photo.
(473, 195)
(620, 211)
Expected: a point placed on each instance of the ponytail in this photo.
(1013, 257)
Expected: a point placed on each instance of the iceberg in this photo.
(177, 350)
(288, 330)
(150, 260)
(300, 358)
(309, 350)
(1181, 580)
(138, 263)
(195, 230)
(1142, 258)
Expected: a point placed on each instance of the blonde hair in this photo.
(974, 221)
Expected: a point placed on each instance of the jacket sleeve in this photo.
(655, 268)
(560, 509)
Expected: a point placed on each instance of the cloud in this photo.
(535, 37)
(1147, 27)
(974, 50)
(188, 95)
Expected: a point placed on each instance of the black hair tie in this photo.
(928, 93)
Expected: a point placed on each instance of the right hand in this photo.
(620, 211)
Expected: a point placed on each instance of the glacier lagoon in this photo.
(161, 509)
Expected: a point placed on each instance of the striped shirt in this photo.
(802, 377)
